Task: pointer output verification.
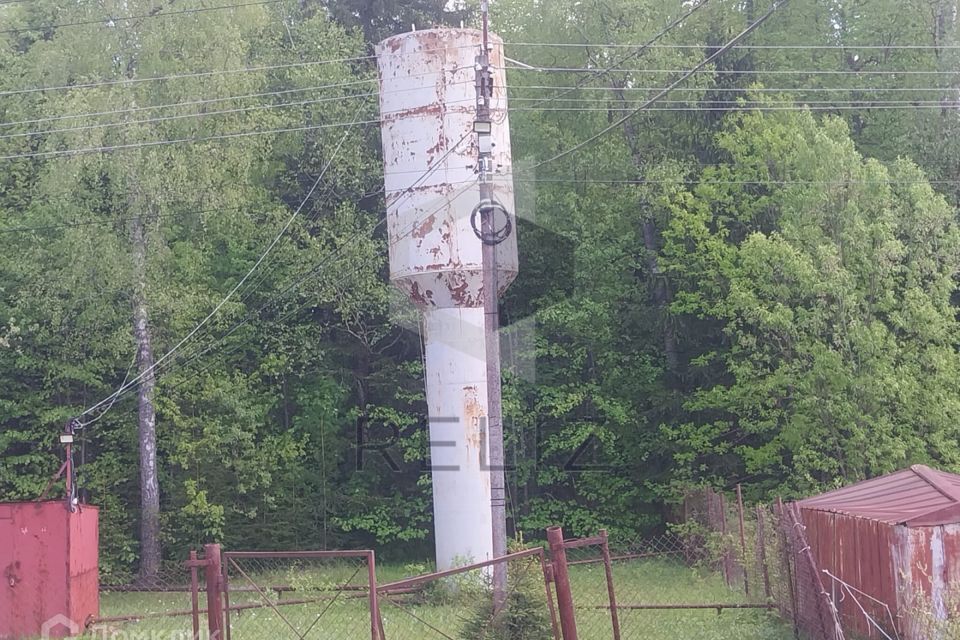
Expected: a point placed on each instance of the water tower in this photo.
(428, 100)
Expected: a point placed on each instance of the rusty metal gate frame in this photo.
(401, 586)
(558, 557)
(230, 558)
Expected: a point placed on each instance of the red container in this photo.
(49, 569)
(895, 540)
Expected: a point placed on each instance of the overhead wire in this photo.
(776, 47)
(110, 20)
(164, 142)
(405, 194)
(719, 52)
(206, 74)
(309, 273)
(199, 352)
(188, 103)
(759, 108)
(240, 283)
(745, 72)
(738, 89)
(180, 76)
(575, 180)
(156, 143)
(323, 264)
(182, 116)
(634, 54)
(205, 101)
(110, 221)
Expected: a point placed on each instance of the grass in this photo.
(447, 607)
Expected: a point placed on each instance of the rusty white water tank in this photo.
(428, 106)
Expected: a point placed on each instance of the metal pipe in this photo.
(211, 554)
(547, 579)
(785, 551)
(608, 570)
(195, 595)
(376, 632)
(561, 578)
(671, 607)
(416, 580)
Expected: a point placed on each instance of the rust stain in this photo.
(420, 297)
(425, 227)
(460, 290)
(472, 413)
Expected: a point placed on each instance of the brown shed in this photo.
(892, 542)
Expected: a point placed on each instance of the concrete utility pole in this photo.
(483, 126)
(453, 251)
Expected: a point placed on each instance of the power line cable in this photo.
(743, 72)
(109, 21)
(246, 276)
(110, 221)
(574, 180)
(203, 74)
(204, 101)
(404, 195)
(719, 52)
(740, 89)
(182, 116)
(775, 47)
(156, 143)
(635, 54)
(800, 107)
(736, 101)
(181, 76)
(188, 103)
(311, 272)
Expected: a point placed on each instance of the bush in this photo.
(524, 615)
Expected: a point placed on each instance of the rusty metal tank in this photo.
(428, 106)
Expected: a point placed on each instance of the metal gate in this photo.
(307, 595)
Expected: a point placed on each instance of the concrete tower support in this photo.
(428, 105)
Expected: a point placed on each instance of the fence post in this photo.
(725, 544)
(195, 594)
(376, 628)
(785, 546)
(211, 554)
(762, 551)
(743, 541)
(547, 579)
(561, 578)
(608, 569)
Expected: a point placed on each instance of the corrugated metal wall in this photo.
(883, 564)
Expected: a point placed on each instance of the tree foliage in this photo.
(754, 282)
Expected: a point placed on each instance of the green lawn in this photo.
(443, 610)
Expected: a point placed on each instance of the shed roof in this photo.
(917, 497)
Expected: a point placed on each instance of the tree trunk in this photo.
(147, 418)
(660, 288)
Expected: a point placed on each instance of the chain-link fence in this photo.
(802, 596)
(462, 603)
(668, 586)
(323, 595)
(156, 606)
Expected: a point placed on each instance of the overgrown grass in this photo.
(448, 608)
